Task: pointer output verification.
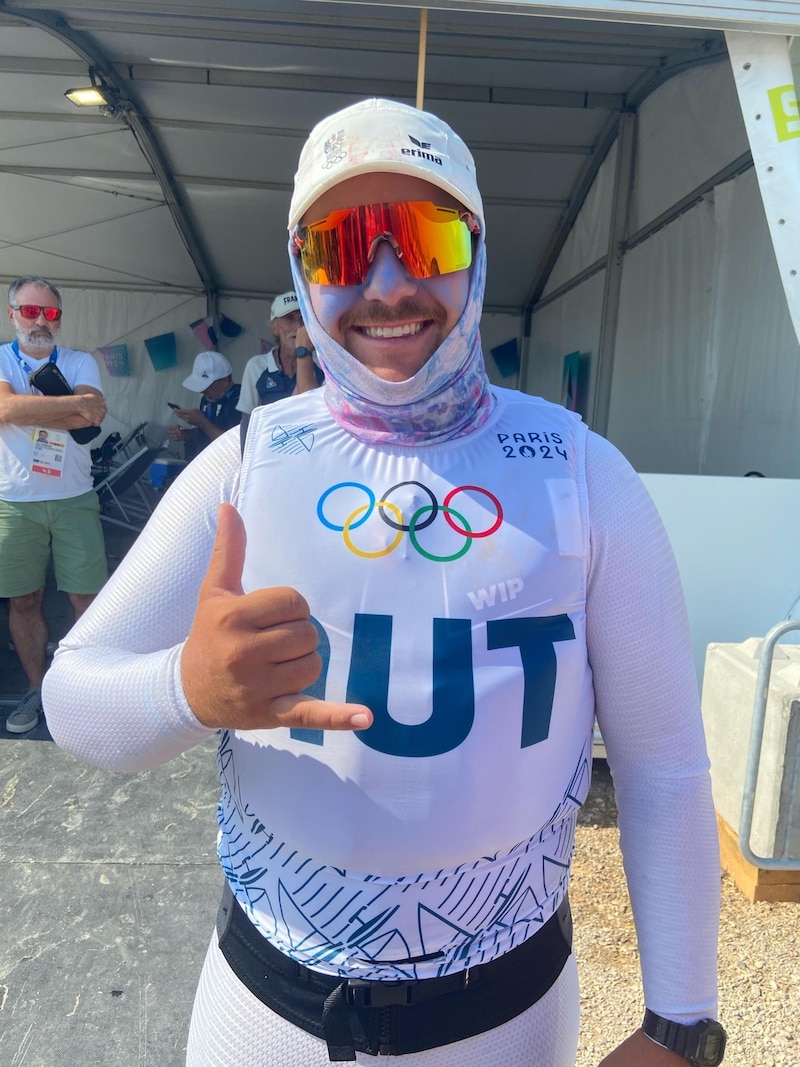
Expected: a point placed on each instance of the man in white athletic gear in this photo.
(442, 584)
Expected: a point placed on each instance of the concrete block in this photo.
(729, 686)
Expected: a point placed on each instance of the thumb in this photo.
(225, 567)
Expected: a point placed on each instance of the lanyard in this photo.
(24, 363)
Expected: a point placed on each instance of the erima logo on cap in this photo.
(420, 152)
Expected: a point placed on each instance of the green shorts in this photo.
(71, 529)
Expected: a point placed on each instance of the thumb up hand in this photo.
(249, 655)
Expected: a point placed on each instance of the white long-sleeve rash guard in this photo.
(114, 697)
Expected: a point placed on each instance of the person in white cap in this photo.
(288, 368)
(212, 375)
(415, 595)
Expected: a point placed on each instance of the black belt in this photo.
(394, 1018)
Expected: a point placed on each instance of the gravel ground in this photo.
(759, 954)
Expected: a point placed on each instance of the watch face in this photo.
(712, 1047)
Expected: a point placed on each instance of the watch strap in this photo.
(701, 1044)
(301, 352)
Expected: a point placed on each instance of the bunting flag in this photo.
(229, 328)
(116, 360)
(162, 350)
(569, 381)
(205, 333)
(506, 356)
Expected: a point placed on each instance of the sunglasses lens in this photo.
(33, 311)
(430, 240)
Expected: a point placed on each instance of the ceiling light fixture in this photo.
(86, 96)
(108, 98)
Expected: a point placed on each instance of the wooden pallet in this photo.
(755, 882)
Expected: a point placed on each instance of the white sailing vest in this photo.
(448, 586)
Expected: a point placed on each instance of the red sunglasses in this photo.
(33, 311)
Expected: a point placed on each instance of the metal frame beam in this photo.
(620, 205)
(764, 16)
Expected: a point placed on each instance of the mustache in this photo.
(377, 314)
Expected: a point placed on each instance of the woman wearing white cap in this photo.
(425, 590)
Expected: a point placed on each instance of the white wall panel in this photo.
(752, 411)
(689, 129)
(569, 324)
(659, 393)
(588, 238)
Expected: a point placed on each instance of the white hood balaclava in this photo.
(450, 395)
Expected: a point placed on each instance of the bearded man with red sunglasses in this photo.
(416, 592)
(47, 502)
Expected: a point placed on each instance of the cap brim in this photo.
(386, 167)
(196, 385)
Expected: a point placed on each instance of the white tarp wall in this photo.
(707, 365)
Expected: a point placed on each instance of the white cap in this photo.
(208, 367)
(383, 135)
(284, 304)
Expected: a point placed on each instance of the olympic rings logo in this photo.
(423, 517)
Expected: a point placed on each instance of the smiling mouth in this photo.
(407, 329)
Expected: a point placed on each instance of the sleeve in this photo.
(113, 695)
(248, 396)
(6, 367)
(648, 711)
(84, 371)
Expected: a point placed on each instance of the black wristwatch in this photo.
(301, 352)
(702, 1044)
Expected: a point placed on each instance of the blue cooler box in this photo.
(164, 471)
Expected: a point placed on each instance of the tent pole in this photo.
(623, 181)
(423, 44)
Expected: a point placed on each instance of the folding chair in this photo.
(102, 456)
(136, 437)
(115, 449)
(119, 480)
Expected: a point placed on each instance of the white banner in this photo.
(768, 99)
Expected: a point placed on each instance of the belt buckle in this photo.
(365, 994)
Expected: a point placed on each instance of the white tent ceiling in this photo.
(186, 186)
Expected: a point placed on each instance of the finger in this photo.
(305, 712)
(225, 568)
(281, 610)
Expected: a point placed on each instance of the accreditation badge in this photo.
(49, 450)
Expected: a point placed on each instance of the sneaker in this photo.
(26, 714)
